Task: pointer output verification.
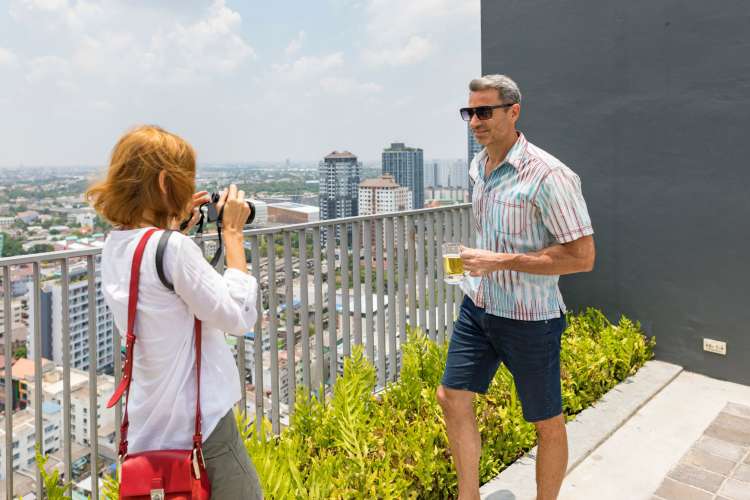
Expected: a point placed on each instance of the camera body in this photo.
(212, 210)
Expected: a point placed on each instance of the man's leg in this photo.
(463, 436)
(531, 349)
(552, 457)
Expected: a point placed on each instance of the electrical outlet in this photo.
(715, 346)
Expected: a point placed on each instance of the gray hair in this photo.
(506, 88)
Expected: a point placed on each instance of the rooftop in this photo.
(400, 146)
(335, 155)
(384, 181)
(23, 368)
(297, 207)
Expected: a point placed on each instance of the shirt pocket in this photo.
(511, 217)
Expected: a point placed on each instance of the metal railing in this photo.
(338, 257)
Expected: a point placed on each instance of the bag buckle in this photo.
(196, 467)
(157, 489)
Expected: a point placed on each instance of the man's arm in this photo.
(567, 258)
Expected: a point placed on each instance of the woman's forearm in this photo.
(235, 251)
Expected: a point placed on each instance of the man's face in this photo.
(500, 125)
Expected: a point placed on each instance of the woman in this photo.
(150, 183)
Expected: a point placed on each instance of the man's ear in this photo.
(163, 181)
(516, 110)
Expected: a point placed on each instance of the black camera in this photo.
(212, 209)
(209, 212)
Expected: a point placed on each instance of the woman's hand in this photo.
(234, 218)
(236, 210)
(199, 199)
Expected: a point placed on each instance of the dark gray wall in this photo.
(649, 102)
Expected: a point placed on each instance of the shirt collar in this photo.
(514, 157)
(517, 152)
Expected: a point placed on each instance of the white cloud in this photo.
(295, 44)
(102, 106)
(142, 42)
(307, 67)
(7, 57)
(416, 49)
(56, 14)
(50, 68)
(210, 44)
(347, 86)
(403, 33)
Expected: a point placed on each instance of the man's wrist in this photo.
(506, 261)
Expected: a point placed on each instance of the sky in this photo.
(242, 81)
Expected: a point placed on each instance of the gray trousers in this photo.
(229, 467)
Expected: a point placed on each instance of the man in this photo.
(532, 226)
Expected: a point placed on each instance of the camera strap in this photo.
(199, 235)
(219, 247)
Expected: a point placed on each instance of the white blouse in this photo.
(162, 392)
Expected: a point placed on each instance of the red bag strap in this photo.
(124, 386)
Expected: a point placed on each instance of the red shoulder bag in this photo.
(158, 474)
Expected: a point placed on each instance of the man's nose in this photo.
(474, 122)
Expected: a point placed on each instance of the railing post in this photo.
(93, 364)
(331, 295)
(356, 280)
(37, 339)
(369, 320)
(380, 292)
(8, 345)
(304, 310)
(344, 259)
(392, 305)
(258, 337)
(67, 449)
(439, 282)
(421, 275)
(273, 333)
(289, 313)
(319, 364)
(401, 283)
(411, 246)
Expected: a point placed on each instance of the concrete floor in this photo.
(633, 462)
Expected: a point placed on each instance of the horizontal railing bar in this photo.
(67, 254)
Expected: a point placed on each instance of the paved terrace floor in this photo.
(690, 442)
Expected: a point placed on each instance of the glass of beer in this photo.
(453, 266)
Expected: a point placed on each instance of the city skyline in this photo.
(236, 83)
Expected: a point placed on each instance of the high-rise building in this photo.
(473, 148)
(25, 440)
(51, 314)
(16, 314)
(406, 165)
(288, 212)
(446, 174)
(339, 185)
(383, 195)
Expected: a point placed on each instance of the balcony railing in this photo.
(310, 275)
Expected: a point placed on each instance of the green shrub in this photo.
(394, 445)
(54, 487)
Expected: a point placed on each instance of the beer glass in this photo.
(452, 265)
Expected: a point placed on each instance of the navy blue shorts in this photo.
(530, 350)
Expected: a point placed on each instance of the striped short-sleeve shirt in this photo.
(529, 202)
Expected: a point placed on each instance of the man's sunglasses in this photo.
(482, 112)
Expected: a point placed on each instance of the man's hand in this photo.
(479, 262)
